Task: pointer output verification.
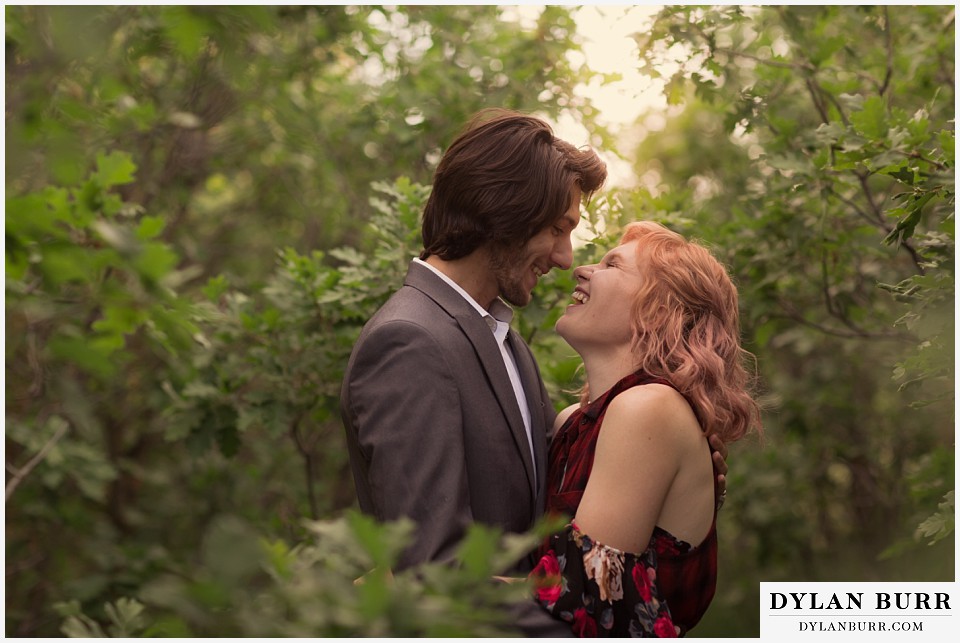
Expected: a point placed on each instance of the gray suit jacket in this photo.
(433, 428)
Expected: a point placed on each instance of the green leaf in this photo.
(763, 334)
(69, 165)
(871, 121)
(477, 549)
(127, 617)
(185, 29)
(371, 538)
(93, 356)
(374, 592)
(941, 524)
(215, 288)
(901, 172)
(947, 140)
(30, 216)
(830, 133)
(150, 227)
(82, 627)
(155, 260)
(62, 264)
(119, 320)
(115, 168)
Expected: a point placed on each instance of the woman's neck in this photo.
(604, 369)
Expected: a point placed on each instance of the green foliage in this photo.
(269, 367)
(941, 524)
(813, 149)
(125, 617)
(246, 117)
(336, 583)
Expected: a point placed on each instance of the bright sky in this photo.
(608, 47)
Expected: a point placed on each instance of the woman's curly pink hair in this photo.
(686, 329)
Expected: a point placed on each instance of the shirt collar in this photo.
(499, 310)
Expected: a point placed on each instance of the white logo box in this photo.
(859, 611)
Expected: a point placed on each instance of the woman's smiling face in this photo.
(603, 303)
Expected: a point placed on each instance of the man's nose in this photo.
(562, 256)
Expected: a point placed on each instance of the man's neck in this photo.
(472, 273)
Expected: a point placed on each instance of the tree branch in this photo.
(889, 44)
(792, 314)
(868, 193)
(33, 359)
(874, 221)
(765, 61)
(19, 475)
(812, 88)
(308, 466)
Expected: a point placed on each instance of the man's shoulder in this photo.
(409, 329)
(410, 304)
(424, 309)
(409, 317)
(423, 299)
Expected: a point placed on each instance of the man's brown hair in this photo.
(503, 179)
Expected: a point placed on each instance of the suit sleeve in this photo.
(406, 408)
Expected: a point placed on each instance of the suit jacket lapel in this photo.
(485, 345)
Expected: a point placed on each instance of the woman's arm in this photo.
(647, 432)
(601, 591)
(598, 574)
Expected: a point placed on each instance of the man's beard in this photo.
(506, 265)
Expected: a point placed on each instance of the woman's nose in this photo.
(583, 272)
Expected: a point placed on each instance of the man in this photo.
(446, 415)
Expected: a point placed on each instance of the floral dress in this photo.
(601, 591)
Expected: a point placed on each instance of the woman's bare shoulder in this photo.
(656, 409)
(563, 416)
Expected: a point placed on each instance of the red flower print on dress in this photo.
(546, 577)
(664, 628)
(642, 580)
(583, 624)
(667, 547)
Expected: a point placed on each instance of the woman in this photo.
(657, 326)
